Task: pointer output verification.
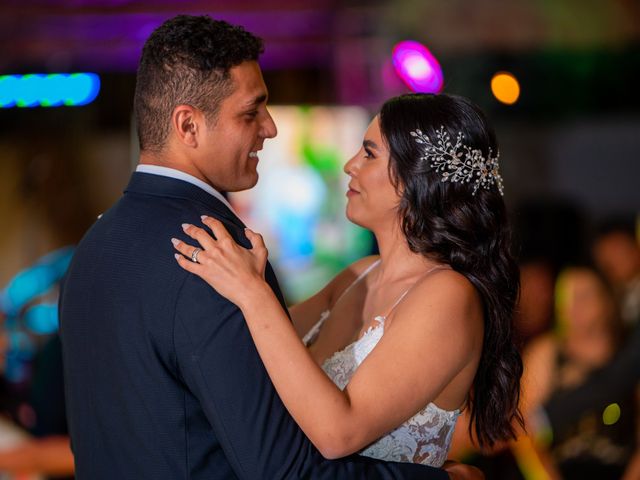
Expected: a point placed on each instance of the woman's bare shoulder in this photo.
(441, 302)
(446, 288)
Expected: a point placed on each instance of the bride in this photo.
(397, 344)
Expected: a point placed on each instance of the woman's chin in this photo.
(354, 219)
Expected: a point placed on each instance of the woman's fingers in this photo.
(257, 242)
(255, 238)
(217, 227)
(204, 239)
(188, 265)
(184, 248)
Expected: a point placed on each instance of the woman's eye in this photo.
(368, 154)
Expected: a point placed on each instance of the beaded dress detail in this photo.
(426, 437)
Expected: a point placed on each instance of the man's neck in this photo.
(178, 170)
(169, 160)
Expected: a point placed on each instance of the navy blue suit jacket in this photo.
(162, 378)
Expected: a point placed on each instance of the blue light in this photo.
(51, 90)
(83, 88)
(34, 281)
(54, 95)
(8, 87)
(30, 89)
(42, 319)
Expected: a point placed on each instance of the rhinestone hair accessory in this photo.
(458, 162)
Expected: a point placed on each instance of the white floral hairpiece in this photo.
(459, 162)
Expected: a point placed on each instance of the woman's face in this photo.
(372, 199)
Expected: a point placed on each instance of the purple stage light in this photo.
(417, 67)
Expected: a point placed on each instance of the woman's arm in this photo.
(410, 366)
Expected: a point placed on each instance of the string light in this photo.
(48, 90)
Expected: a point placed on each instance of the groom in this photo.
(162, 378)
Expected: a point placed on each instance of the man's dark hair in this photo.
(187, 61)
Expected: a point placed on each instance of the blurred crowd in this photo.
(578, 322)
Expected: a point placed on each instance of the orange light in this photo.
(505, 88)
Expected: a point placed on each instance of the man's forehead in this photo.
(248, 83)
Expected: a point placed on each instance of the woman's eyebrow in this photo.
(370, 144)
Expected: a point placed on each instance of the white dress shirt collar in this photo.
(180, 175)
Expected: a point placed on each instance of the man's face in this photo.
(227, 154)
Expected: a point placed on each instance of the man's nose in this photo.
(269, 129)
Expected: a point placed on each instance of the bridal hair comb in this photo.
(458, 162)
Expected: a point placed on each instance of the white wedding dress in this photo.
(426, 437)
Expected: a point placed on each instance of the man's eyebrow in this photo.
(370, 144)
(258, 100)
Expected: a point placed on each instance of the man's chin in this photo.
(246, 184)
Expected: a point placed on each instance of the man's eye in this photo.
(368, 154)
(252, 114)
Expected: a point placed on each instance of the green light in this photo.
(611, 414)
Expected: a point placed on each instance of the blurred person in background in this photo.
(587, 335)
(617, 253)
(35, 441)
(534, 314)
(48, 208)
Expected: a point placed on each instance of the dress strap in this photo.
(357, 280)
(397, 302)
(312, 334)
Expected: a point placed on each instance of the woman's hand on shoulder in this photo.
(233, 271)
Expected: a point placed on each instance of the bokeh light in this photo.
(611, 414)
(48, 90)
(417, 67)
(505, 88)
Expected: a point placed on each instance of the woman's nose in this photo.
(349, 167)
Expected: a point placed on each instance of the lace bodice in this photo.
(425, 438)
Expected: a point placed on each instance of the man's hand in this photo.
(460, 471)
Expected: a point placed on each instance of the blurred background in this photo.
(557, 78)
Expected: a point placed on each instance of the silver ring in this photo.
(194, 255)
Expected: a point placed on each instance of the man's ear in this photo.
(186, 122)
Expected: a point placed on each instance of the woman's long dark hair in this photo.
(447, 222)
